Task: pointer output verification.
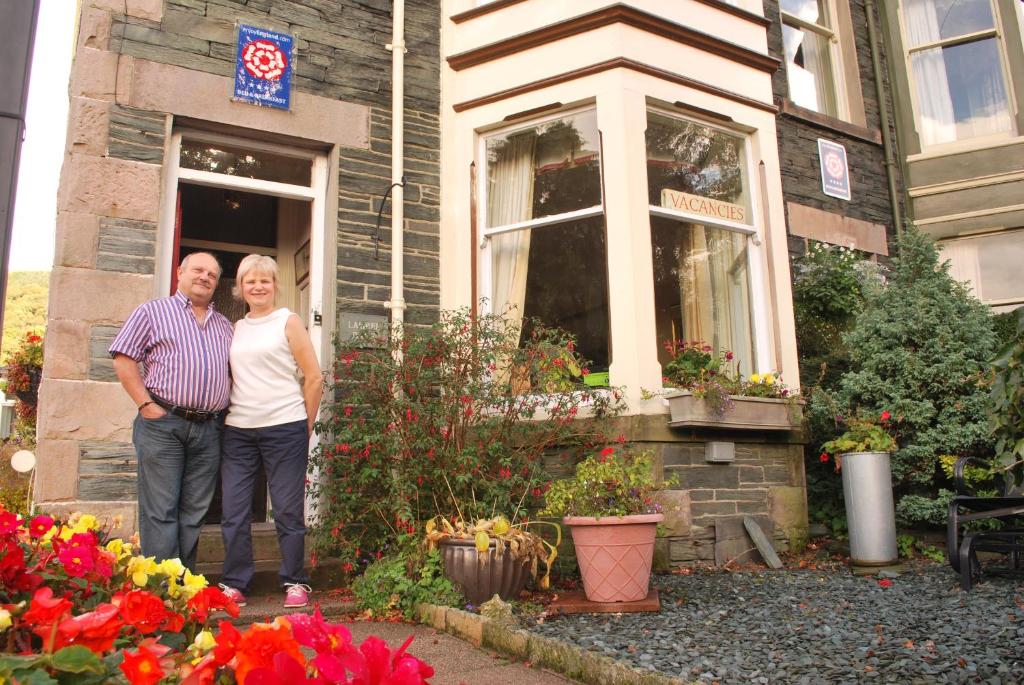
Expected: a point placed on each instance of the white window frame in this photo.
(995, 32)
(752, 231)
(835, 55)
(485, 279)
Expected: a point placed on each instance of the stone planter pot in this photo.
(481, 576)
(870, 514)
(614, 554)
(746, 413)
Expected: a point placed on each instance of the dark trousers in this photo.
(177, 468)
(283, 452)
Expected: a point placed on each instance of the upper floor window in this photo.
(545, 229)
(808, 37)
(700, 225)
(955, 64)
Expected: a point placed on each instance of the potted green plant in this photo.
(25, 369)
(706, 389)
(492, 556)
(862, 455)
(609, 507)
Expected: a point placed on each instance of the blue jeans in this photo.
(283, 452)
(177, 468)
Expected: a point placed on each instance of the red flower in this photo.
(885, 582)
(10, 523)
(141, 610)
(227, 643)
(209, 599)
(142, 667)
(373, 663)
(823, 457)
(96, 629)
(77, 559)
(261, 643)
(44, 612)
(40, 526)
(885, 416)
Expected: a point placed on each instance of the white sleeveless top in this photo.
(265, 387)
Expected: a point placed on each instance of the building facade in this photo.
(626, 171)
(959, 70)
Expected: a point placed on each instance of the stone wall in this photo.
(139, 66)
(798, 135)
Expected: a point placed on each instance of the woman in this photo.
(269, 422)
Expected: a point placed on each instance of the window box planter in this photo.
(746, 413)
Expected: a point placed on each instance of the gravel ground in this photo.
(823, 626)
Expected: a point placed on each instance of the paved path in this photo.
(455, 662)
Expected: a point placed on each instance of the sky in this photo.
(35, 206)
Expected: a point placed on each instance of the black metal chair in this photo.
(963, 544)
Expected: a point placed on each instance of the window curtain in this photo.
(937, 122)
(809, 70)
(511, 201)
(964, 265)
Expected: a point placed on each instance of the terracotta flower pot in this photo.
(614, 554)
(481, 576)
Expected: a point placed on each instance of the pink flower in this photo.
(40, 526)
(77, 559)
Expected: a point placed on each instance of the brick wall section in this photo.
(340, 54)
(798, 147)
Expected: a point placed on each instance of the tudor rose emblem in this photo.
(264, 60)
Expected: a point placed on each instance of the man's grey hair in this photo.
(184, 262)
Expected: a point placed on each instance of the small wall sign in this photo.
(716, 209)
(263, 67)
(835, 172)
(351, 324)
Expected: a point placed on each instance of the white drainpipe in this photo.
(397, 46)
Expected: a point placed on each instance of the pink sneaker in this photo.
(233, 594)
(296, 595)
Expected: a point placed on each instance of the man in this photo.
(181, 394)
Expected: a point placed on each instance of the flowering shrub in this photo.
(24, 367)
(449, 420)
(862, 434)
(74, 609)
(607, 484)
(709, 375)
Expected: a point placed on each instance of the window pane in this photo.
(545, 170)
(557, 274)
(688, 162)
(990, 263)
(809, 70)
(702, 288)
(960, 92)
(810, 11)
(931, 20)
(237, 161)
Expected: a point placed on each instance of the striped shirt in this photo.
(184, 363)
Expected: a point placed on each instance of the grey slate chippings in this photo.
(800, 626)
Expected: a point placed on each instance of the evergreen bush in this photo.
(1007, 418)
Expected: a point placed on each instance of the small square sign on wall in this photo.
(263, 67)
(835, 172)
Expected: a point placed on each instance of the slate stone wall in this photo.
(798, 146)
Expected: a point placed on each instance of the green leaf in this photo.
(35, 676)
(76, 659)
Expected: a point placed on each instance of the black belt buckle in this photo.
(187, 413)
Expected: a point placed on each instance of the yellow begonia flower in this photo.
(192, 583)
(86, 522)
(174, 588)
(204, 641)
(119, 548)
(172, 568)
(768, 379)
(5, 620)
(140, 569)
(755, 378)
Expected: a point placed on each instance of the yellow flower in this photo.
(174, 589)
(204, 641)
(5, 619)
(119, 548)
(768, 379)
(83, 523)
(755, 378)
(192, 583)
(140, 569)
(172, 568)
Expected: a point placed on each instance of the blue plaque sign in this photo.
(835, 173)
(263, 67)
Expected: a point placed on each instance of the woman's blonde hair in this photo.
(254, 262)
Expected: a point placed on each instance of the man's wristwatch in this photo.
(147, 402)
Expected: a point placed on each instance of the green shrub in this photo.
(400, 581)
(1007, 416)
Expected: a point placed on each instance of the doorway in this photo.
(234, 197)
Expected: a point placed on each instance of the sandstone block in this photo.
(84, 294)
(465, 625)
(152, 10)
(84, 410)
(67, 350)
(56, 470)
(94, 28)
(110, 187)
(121, 518)
(675, 505)
(787, 506)
(94, 73)
(77, 237)
(88, 124)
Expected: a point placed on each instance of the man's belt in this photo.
(187, 413)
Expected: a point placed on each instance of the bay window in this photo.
(545, 229)
(701, 220)
(955, 62)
